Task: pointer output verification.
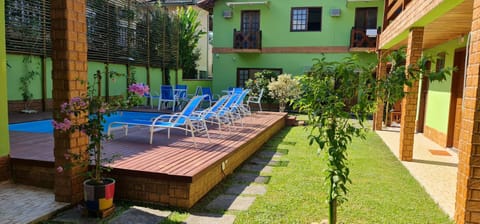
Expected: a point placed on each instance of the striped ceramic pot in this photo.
(98, 197)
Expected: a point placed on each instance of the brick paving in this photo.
(26, 204)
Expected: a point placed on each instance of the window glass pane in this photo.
(314, 19)
(299, 19)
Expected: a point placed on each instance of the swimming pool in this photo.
(45, 126)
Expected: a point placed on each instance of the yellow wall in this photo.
(4, 137)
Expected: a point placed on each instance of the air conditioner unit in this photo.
(371, 32)
(227, 14)
(335, 12)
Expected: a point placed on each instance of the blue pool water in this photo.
(45, 126)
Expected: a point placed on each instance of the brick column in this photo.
(409, 102)
(381, 74)
(467, 203)
(69, 61)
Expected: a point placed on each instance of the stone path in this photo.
(248, 182)
(26, 204)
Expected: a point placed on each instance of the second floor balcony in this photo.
(247, 41)
(363, 39)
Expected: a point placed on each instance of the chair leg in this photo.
(151, 135)
(260, 106)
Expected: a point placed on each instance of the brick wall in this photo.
(4, 168)
(414, 11)
(467, 203)
(33, 173)
(18, 105)
(69, 71)
(409, 102)
(381, 73)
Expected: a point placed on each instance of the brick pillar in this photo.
(381, 74)
(467, 209)
(69, 61)
(409, 102)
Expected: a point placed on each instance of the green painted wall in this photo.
(4, 136)
(275, 26)
(438, 99)
(275, 23)
(19, 66)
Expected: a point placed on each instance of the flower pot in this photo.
(98, 196)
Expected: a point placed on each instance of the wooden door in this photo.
(455, 118)
(250, 21)
(366, 18)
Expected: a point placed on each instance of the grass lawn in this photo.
(382, 191)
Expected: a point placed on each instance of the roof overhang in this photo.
(446, 20)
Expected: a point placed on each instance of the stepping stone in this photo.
(74, 215)
(259, 161)
(231, 202)
(278, 163)
(247, 189)
(209, 219)
(256, 168)
(269, 154)
(138, 214)
(250, 177)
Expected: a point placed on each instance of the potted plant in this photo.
(98, 190)
(285, 89)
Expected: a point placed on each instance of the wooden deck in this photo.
(170, 171)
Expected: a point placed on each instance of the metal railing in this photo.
(247, 39)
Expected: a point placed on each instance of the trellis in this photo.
(118, 31)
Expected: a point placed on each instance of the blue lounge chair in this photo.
(211, 114)
(180, 120)
(166, 96)
(207, 92)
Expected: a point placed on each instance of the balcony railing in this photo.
(393, 8)
(248, 40)
(363, 38)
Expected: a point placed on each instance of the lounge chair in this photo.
(180, 120)
(207, 92)
(255, 99)
(211, 114)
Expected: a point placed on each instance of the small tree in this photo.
(326, 89)
(25, 81)
(285, 89)
(391, 88)
(261, 81)
(189, 36)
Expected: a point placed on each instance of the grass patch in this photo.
(382, 191)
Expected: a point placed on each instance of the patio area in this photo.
(170, 171)
(433, 166)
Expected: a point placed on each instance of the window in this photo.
(243, 74)
(306, 19)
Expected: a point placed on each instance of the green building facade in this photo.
(287, 35)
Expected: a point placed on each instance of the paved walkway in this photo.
(433, 166)
(26, 204)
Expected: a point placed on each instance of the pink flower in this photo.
(64, 126)
(64, 107)
(139, 89)
(59, 169)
